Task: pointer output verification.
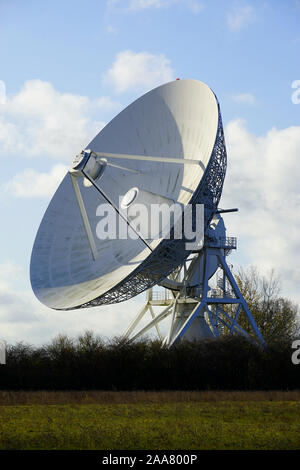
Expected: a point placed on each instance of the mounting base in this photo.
(198, 311)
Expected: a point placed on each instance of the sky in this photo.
(68, 67)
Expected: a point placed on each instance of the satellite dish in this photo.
(168, 143)
(167, 147)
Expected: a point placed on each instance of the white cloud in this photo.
(244, 98)
(111, 29)
(39, 120)
(24, 318)
(142, 4)
(13, 302)
(195, 7)
(136, 5)
(239, 16)
(112, 3)
(263, 181)
(9, 272)
(2, 92)
(139, 5)
(139, 71)
(30, 183)
(105, 103)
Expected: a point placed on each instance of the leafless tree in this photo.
(275, 315)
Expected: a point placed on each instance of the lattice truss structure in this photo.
(171, 253)
(218, 310)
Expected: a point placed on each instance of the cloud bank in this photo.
(263, 181)
(40, 121)
(30, 183)
(138, 71)
(24, 318)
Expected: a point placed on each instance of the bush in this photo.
(228, 363)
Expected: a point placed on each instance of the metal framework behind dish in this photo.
(202, 300)
(171, 253)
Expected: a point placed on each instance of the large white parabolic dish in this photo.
(180, 119)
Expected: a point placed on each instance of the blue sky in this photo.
(70, 66)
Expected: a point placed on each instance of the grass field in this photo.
(148, 420)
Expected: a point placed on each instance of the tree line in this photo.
(89, 363)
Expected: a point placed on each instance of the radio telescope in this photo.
(167, 147)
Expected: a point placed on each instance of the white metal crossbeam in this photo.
(150, 158)
(84, 216)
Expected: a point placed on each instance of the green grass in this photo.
(152, 426)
